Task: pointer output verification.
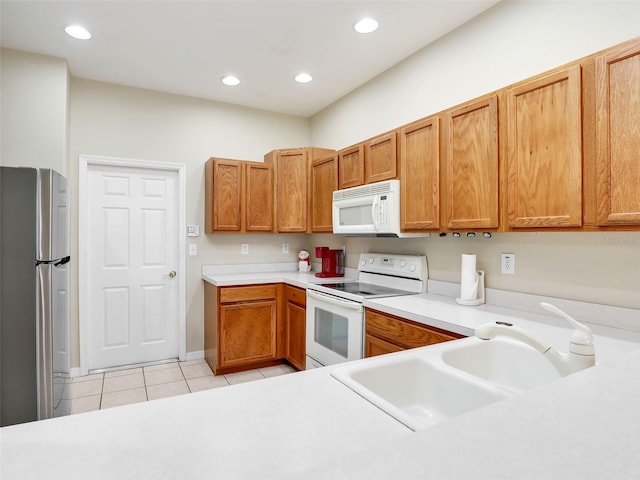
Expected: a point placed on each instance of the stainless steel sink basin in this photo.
(504, 362)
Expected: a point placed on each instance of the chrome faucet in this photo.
(581, 348)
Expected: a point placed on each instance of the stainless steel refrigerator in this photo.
(34, 300)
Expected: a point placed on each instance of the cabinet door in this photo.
(618, 136)
(374, 346)
(404, 333)
(247, 333)
(420, 170)
(380, 158)
(259, 197)
(226, 195)
(223, 195)
(351, 167)
(471, 165)
(295, 319)
(210, 324)
(544, 151)
(292, 177)
(324, 180)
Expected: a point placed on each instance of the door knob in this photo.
(171, 274)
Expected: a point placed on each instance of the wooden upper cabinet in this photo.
(259, 197)
(470, 196)
(351, 166)
(419, 175)
(238, 196)
(223, 195)
(293, 186)
(380, 158)
(544, 151)
(324, 180)
(618, 136)
(291, 190)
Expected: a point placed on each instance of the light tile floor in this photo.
(122, 387)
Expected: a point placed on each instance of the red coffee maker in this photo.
(332, 262)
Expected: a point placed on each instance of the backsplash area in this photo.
(595, 267)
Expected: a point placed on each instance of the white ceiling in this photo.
(185, 47)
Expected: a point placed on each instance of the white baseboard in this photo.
(199, 355)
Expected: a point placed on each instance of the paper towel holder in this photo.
(479, 300)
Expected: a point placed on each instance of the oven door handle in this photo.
(335, 301)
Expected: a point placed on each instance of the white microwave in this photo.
(369, 210)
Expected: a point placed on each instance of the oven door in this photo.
(334, 329)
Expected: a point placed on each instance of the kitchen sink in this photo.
(425, 386)
(416, 392)
(504, 362)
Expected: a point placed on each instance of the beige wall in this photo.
(593, 267)
(41, 108)
(115, 121)
(509, 42)
(34, 98)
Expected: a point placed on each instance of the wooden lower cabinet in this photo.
(387, 333)
(242, 327)
(295, 317)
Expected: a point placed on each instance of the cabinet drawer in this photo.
(403, 333)
(243, 294)
(296, 295)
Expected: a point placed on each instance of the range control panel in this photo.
(408, 266)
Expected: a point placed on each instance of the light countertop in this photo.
(308, 425)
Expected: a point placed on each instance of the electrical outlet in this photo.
(244, 249)
(508, 263)
(285, 248)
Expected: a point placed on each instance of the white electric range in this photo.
(335, 315)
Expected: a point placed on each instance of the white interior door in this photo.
(133, 265)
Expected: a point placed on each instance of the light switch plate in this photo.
(193, 230)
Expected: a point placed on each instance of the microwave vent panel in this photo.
(362, 191)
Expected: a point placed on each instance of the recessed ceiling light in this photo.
(303, 78)
(366, 25)
(76, 31)
(230, 80)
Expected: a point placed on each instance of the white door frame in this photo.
(83, 235)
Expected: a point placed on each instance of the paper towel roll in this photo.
(468, 278)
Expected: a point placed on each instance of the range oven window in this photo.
(332, 331)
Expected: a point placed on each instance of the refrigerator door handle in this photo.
(56, 263)
(62, 261)
(44, 342)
